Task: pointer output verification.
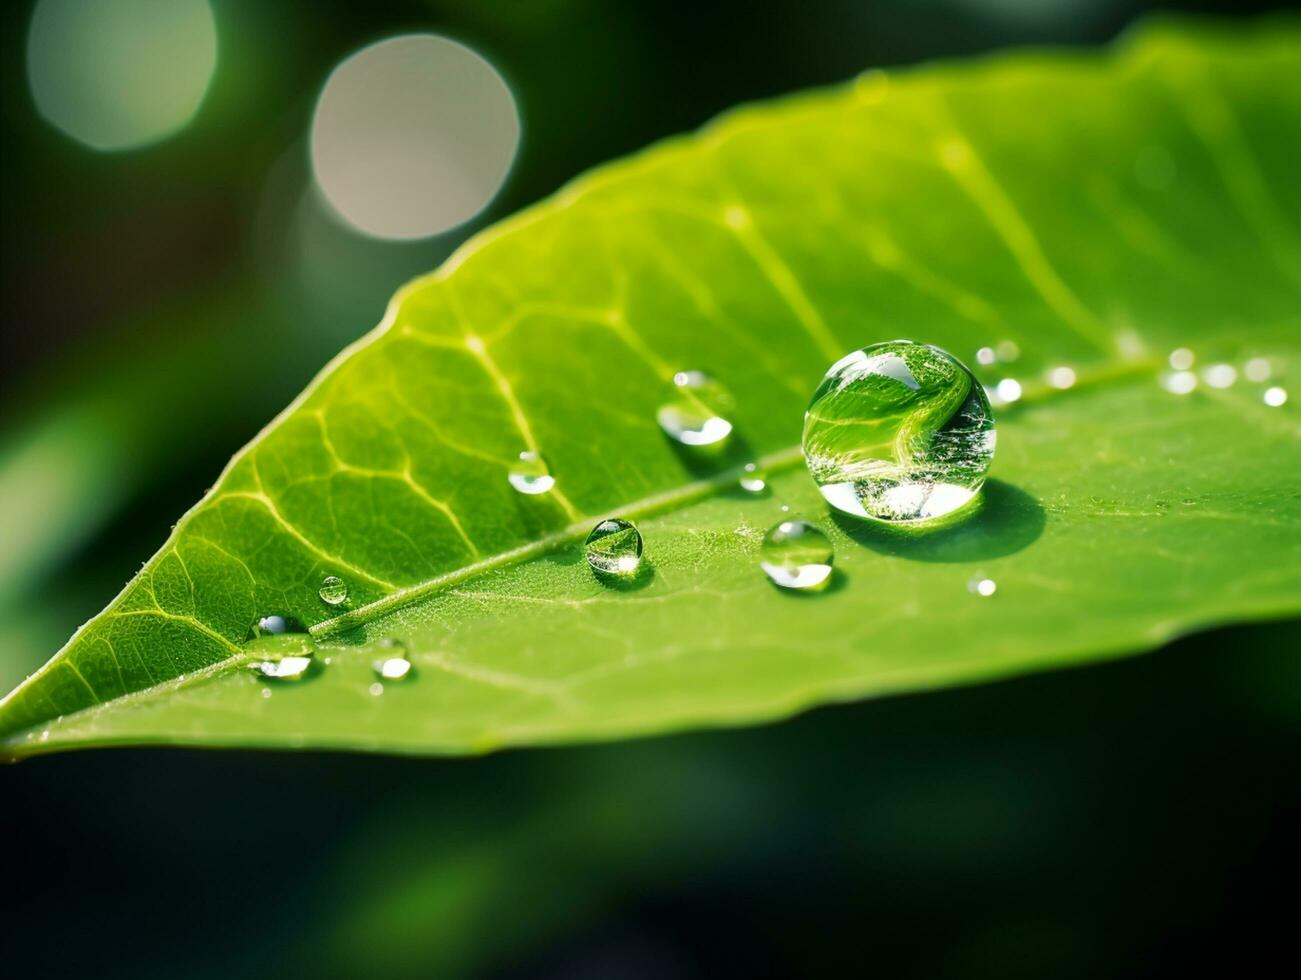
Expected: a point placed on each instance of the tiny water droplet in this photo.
(266, 692)
(333, 590)
(899, 432)
(986, 356)
(753, 479)
(1258, 369)
(785, 508)
(45, 735)
(376, 689)
(1220, 375)
(1275, 397)
(614, 547)
(984, 587)
(1179, 382)
(393, 665)
(1181, 359)
(1062, 377)
(696, 411)
(276, 625)
(530, 474)
(797, 555)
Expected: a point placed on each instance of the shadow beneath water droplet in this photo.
(1006, 520)
(703, 462)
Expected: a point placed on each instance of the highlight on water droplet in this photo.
(753, 479)
(984, 587)
(275, 624)
(530, 474)
(1275, 397)
(292, 668)
(1062, 378)
(1220, 375)
(1181, 359)
(1179, 382)
(333, 590)
(614, 548)
(899, 432)
(1258, 369)
(696, 410)
(797, 555)
(393, 664)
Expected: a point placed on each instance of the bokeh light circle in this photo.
(413, 136)
(118, 74)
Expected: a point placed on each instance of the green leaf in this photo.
(1097, 210)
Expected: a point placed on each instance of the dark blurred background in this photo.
(162, 301)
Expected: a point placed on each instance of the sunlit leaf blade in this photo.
(1096, 209)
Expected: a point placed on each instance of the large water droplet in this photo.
(797, 555)
(333, 591)
(529, 474)
(753, 479)
(696, 411)
(899, 432)
(614, 547)
(394, 664)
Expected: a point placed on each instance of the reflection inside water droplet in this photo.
(530, 474)
(696, 411)
(614, 547)
(275, 625)
(797, 555)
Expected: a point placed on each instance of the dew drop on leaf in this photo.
(899, 432)
(614, 547)
(393, 664)
(753, 479)
(333, 590)
(695, 411)
(797, 555)
(983, 587)
(530, 474)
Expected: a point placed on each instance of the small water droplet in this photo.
(1179, 382)
(797, 555)
(530, 474)
(393, 665)
(376, 689)
(1258, 369)
(1220, 375)
(984, 587)
(1181, 359)
(1062, 377)
(614, 547)
(266, 693)
(899, 432)
(1275, 397)
(986, 356)
(753, 479)
(785, 508)
(333, 590)
(45, 735)
(696, 411)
